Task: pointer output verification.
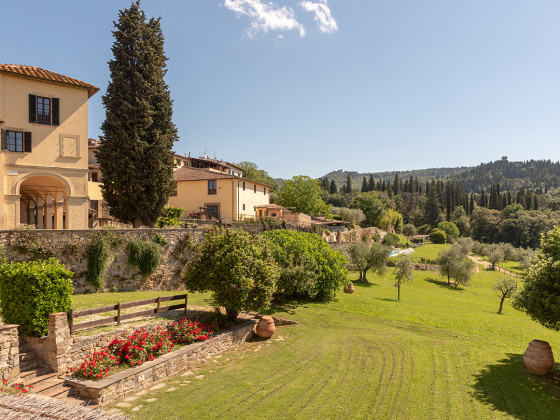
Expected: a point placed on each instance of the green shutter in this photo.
(27, 142)
(32, 108)
(55, 111)
(4, 139)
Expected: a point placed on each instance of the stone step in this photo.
(49, 385)
(36, 381)
(32, 373)
(30, 364)
(64, 391)
(28, 355)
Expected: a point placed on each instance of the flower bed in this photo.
(16, 390)
(131, 380)
(143, 345)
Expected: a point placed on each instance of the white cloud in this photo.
(265, 16)
(323, 14)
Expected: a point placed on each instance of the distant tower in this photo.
(504, 158)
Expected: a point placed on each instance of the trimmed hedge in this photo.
(31, 291)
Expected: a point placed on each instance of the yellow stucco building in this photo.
(220, 195)
(44, 156)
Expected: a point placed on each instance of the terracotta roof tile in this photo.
(39, 73)
(186, 173)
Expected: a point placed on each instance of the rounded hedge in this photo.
(31, 291)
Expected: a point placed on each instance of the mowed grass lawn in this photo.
(439, 353)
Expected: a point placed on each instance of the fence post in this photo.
(157, 309)
(118, 313)
(71, 316)
(186, 297)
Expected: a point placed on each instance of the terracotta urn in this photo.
(265, 327)
(538, 357)
(349, 289)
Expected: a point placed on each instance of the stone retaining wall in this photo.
(9, 352)
(134, 379)
(71, 246)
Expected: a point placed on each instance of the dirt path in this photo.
(488, 266)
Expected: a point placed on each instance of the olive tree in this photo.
(236, 268)
(505, 288)
(363, 257)
(455, 264)
(404, 273)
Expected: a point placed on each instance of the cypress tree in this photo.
(396, 184)
(136, 155)
(371, 184)
(389, 189)
(364, 184)
(348, 184)
(333, 189)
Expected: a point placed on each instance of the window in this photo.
(264, 190)
(44, 110)
(243, 185)
(16, 141)
(212, 187)
(94, 177)
(174, 190)
(255, 188)
(213, 211)
(243, 206)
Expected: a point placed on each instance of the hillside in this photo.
(423, 175)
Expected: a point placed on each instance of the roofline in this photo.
(92, 90)
(225, 176)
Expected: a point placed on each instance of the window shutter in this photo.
(4, 139)
(27, 142)
(32, 108)
(55, 111)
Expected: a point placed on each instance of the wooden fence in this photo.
(119, 307)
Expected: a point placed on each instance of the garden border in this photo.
(134, 379)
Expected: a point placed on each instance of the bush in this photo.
(438, 236)
(99, 255)
(145, 255)
(170, 216)
(409, 229)
(450, 229)
(308, 266)
(391, 239)
(236, 267)
(31, 291)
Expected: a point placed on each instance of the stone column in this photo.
(49, 212)
(32, 213)
(9, 352)
(40, 213)
(59, 213)
(59, 342)
(339, 239)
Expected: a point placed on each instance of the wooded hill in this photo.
(532, 174)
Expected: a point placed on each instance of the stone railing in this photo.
(9, 352)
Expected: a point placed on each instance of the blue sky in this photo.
(306, 87)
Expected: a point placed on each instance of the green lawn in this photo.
(439, 353)
(427, 251)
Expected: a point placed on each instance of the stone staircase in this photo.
(34, 372)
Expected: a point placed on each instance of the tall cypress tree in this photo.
(348, 184)
(136, 155)
(371, 183)
(364, 184)
(333, 189)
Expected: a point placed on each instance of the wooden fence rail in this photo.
(119, 307)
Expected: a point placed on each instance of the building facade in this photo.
(44, 156)
(217, 195)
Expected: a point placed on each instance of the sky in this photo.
(308, 87)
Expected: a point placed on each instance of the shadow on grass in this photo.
(362, 284)
(508, 387)
(442, 283)
(387, 299)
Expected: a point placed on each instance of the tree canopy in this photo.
(254, 173)
(303, 194)
(136, 155)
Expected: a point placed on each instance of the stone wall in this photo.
(134, 379)
(71, 246)
(9, 352)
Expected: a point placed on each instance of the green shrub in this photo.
(450, 229)
(145, 255)
(308, 266)
(99, 254)
(160, 240)
(31, 291)
(391, 239)
(236, 267)
(438, 236)
(170, 216)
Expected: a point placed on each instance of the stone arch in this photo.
(16, 187)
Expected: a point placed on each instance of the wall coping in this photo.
(61, 231)
(8, 326)
(118, 377)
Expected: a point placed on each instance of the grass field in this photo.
(427, 251)
(439, 353)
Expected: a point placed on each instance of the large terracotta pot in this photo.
(538, 357)
(349, 289)
(265, 327)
